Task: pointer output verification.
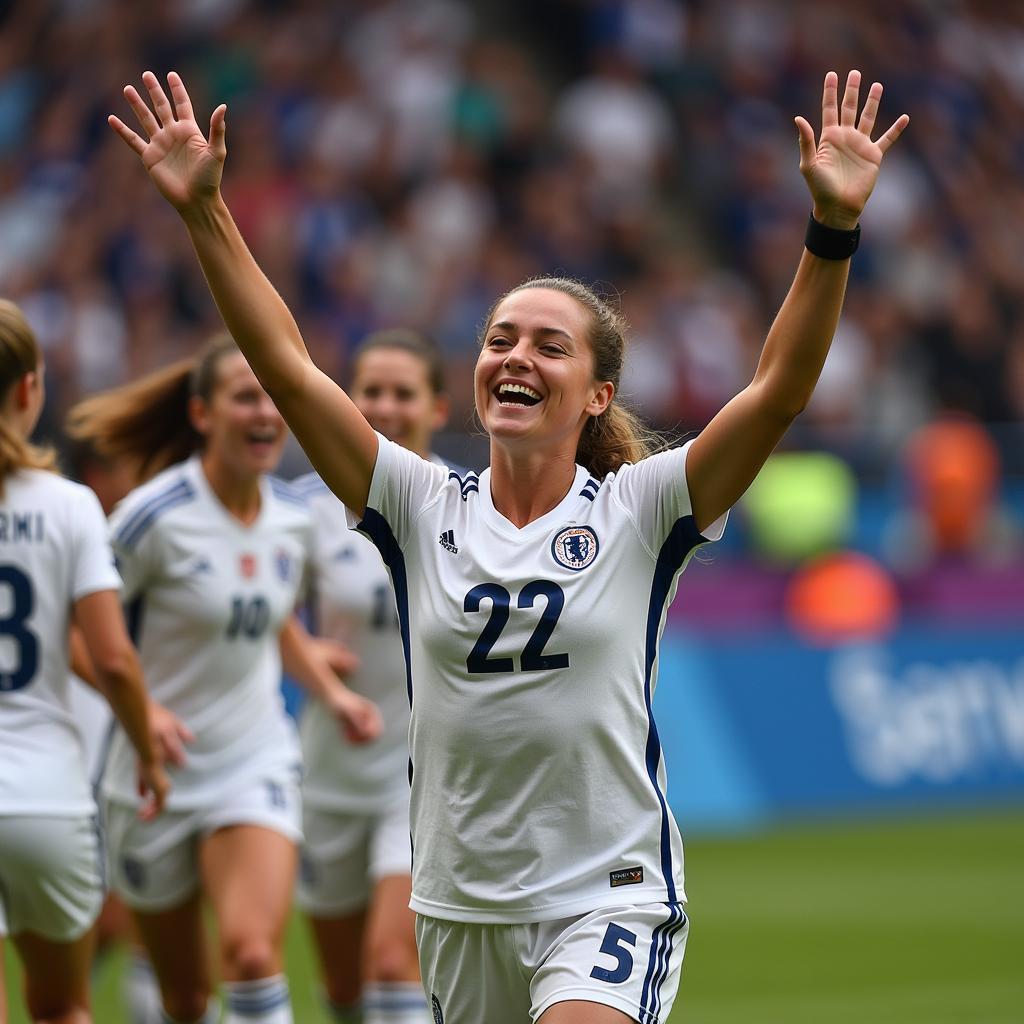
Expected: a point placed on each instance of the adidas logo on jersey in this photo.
(447, 541)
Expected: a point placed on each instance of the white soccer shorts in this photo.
(154, 865)
(629, 958)
(51, 876)
(345, 855)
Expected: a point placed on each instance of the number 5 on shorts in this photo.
(612, 946)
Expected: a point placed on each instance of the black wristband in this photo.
(830, 243)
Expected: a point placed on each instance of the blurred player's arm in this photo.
(187, 169)
(103, 656)
(840, 172)
(315, 666)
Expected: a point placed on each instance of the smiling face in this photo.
(392, 389)
(534, 381)
(241, 425)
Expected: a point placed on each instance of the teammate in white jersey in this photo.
(213, 553)
(547, 868)
(355, 876)
(56, 568)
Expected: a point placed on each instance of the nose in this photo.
(518, 358)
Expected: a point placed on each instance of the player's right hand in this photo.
(169, 734)
(184, 166)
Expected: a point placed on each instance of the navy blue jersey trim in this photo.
(133, 614)
(467, 484)
(658, 964)
(682, 539)
(135, 528)
(587, 494)
(287, 492)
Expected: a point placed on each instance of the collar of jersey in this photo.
(564, 510)
(194, 466)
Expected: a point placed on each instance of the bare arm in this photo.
(112, 667)
(840, 172)
(308, 664)
(187, 168)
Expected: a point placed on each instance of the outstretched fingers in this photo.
(851, 100)
(894, 132)
(133, 140)
(866, 125)
(829, 101)
(182, 103)
(145, 117)
(161, 105)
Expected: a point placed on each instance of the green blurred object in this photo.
(895, 922)
(800, 505)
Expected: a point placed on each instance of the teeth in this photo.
(521, 389)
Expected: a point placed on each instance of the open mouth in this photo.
(262, 438)
(516, 395)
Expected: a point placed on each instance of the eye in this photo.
(553, 349)
(498, 342)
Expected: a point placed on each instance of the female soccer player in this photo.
(213, 553)
(547, 871)
(56, 568)
(355, 879)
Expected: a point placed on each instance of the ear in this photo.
(442, 409)
(23, 390)
(199, 415)
(602, 398)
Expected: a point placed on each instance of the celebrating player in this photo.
(213, 554)
(355, 877)
(547, 868)
(56, 568)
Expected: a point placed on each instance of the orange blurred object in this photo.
(955, 469)
(842, 598)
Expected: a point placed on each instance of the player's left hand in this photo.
(842, 169)
(359, 718)
(169, 733)
(343, 662)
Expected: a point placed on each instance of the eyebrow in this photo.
(508, 325)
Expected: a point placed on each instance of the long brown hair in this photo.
(404, 339)
(618, 435)
(147, 421)
(19, 355)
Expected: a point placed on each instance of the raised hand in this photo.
(842, 169)
(184, 166)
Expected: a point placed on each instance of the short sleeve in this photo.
(93, 568)
(655, 494)
(135, 557)
(403, 485)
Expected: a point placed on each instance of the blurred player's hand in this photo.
(358, 717)
(342, 661)
(170, 734)
(154, 785)
(185, 167)
(842, 169)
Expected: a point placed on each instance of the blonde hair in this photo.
(618, 435)
(19, 355)
(146, 422)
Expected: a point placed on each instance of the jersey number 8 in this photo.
(12, 625)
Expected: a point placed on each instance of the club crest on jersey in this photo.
(575, 547)
(283, 564)
(247, 566)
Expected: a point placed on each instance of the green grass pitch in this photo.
(898, 922)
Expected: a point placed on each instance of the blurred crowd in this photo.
(404, 161)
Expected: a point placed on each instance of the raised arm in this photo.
(187, 168)
(840, 173)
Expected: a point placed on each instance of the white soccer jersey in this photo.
(352, 602)
(538, 783)
(53, 551)
(207, 597)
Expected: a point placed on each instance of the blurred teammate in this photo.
(213, 554)
(547, 867)
(355, 879)
(56, 568)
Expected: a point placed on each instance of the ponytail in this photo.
(614, 438)
(19, 355)
(147, 422)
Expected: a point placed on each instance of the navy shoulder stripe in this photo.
(135, 528)
(467, 484)
(590, 489)
(287, 492)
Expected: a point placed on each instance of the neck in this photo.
(239, 494)
(526, 486)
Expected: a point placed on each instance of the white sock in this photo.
(265, 1001)
(141, 992)
(394, 1002)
